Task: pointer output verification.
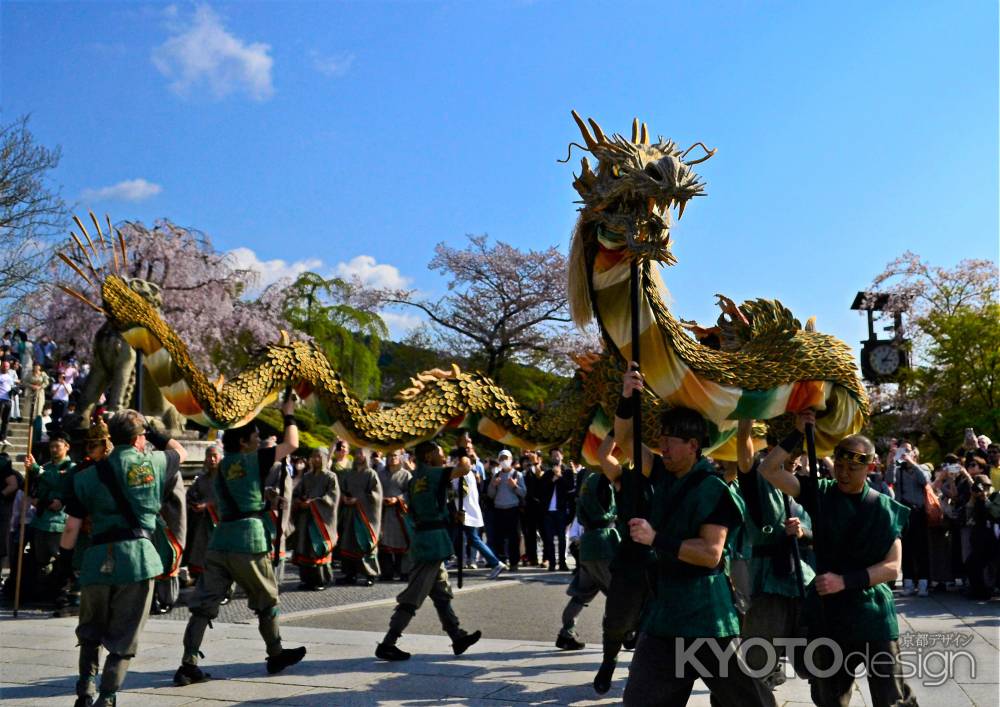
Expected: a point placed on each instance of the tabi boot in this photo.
(462, 642)
(605, 674)
(389, 651)
(188, 674)
(287, 657)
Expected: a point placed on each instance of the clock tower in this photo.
(883, 359)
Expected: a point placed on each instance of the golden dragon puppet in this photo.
(625, 215)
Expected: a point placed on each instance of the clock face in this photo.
(884, 359)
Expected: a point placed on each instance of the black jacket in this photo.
(565, 489)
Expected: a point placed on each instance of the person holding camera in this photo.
(432, 545)
(507, 490)
(911, 481)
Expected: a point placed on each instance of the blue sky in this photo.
(352, 137)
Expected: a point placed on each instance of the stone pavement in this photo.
(38, 659)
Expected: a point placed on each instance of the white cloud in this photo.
(270, 271)
(203, 52)
(400, 323)
(371, 273)
(336, 65)
(127, 190)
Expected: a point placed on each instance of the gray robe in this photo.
(200, 523)
(362, 522)
(321, 515)
(394, 538)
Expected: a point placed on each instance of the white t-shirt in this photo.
(7, 382)
(61, 391)
(470, 501)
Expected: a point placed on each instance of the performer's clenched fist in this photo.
(641, 531)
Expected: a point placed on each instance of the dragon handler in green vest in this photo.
(776, 601)
(122, 496)
(50, 516)
(240, 548)
(431, 546)
(690, 626)
(596, 511)
(856, 538)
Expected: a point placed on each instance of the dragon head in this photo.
(634, 186)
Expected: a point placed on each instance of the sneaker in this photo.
(569, 643)
(387, 651)
(462, 643)
(189, 674)
(495, 572)
(605, 674)
(287, 657)
(922, 588)
(908, 589)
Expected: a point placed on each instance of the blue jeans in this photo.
(473, 540)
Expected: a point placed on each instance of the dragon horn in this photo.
(76, 268)
(111, 233)
(456, 371)
(86, 235)
(644, 139)
(635, 130)
(73, 293)
(587, 138)
(100, 233)
(680, 209)
(86, 255)
(121, 242)
(598, 133)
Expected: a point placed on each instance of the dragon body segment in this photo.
(439, 399)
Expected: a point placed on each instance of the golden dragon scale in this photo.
(574, 416)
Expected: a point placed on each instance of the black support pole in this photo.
(636, 396)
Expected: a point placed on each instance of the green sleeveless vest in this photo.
(851, 535)
(50, 487)
(247, 527)
(600, 537)
(141, 478)
(429, 515)
(691, 601)
(767, 538)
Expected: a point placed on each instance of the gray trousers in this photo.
(626, 596)
(111, 616)
(593, 577)
(885, 680)
(255, 575)
(771, 616)
(427, 579)
(656, 679)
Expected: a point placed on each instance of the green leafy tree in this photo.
(331, 312)
(961, 386)
(954, 328)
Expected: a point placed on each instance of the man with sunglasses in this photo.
(856, 536)
(690, 623)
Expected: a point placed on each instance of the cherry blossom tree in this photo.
(504, 304)
(204, 298)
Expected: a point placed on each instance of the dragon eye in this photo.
(616, 171)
